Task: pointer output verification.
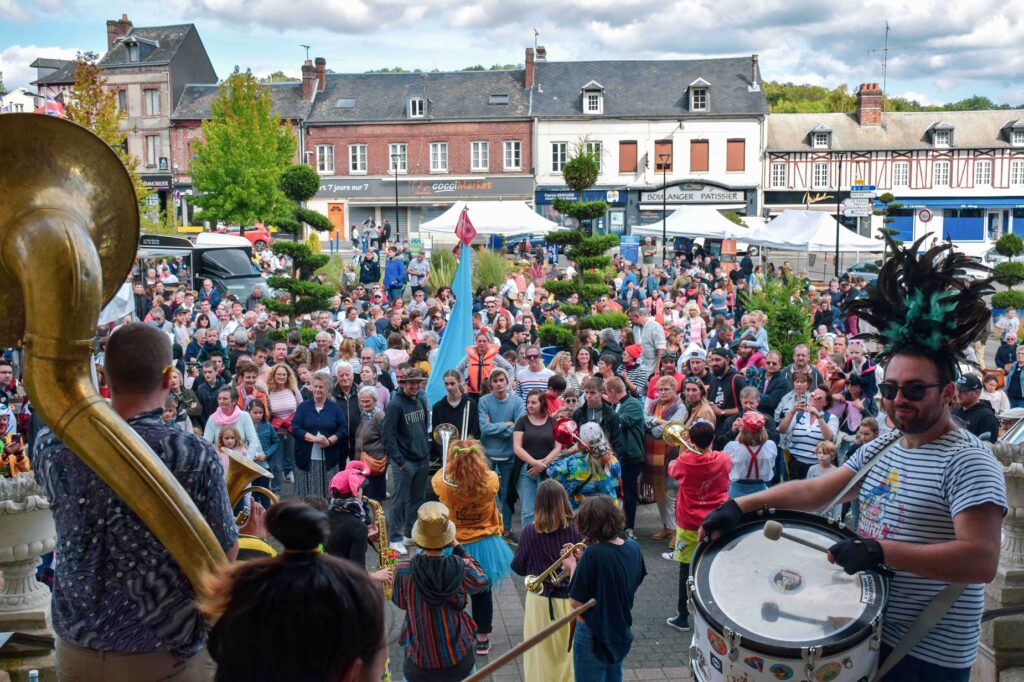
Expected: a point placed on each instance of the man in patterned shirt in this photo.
(122, 607)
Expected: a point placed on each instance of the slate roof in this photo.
(47, 63)
(382, 97)
(167, 38)
(899, 130)
(286, 97)
(65, 73)
(647, 89)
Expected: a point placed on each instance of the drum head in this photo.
(780, 595)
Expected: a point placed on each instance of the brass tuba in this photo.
(69, 230)
(443, 434)
(675, 434)
(241, 472)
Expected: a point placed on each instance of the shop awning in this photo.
(492, 217)
(813, 231)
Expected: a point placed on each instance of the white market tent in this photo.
(492, 217)
(694, 222)
(812, 231)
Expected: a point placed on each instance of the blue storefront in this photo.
(612, 222)
(976, 221)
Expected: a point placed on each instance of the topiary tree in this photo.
(890, 204)
(304, 296)
(789, 315)
(300, 183)
(1009, 273)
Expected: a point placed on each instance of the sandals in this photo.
(662, 534)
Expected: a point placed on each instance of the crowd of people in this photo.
(688, 406)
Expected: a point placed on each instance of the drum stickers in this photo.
(787, 581)
(828, 672)
(781, 672)
(716, 662)
(717, 643)
(755, 662)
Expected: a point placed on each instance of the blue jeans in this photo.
(911, 669)
(739, 489)
(504, 469)
(585, 664)
(526, 487)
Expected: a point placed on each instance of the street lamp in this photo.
(663, 159)
(394, 164)
(839, 190)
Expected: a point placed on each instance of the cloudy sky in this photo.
(942, 50)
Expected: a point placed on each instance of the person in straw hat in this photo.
(432, 587)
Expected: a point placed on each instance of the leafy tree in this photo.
(93, 106)
(2, 88)
(505, 67)
(244, 150)
(475, 67)
(277, 77)
(393, 69)
(789, 315)
(789, 98)
(304, 296)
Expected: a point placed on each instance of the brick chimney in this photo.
(117, 28)
(308, 80)
(321, 74)
(529, 68)
(869, 104)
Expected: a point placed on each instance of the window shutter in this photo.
(627, 157)
(663, 147)
(735, 151)
(698, 156)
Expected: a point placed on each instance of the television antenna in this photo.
(308, 46)
(885, 61)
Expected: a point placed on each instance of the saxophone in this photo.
(383, 551)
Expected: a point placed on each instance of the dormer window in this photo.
(819, 140)
(417, 106)
(593, 98)
(1014, 132)
(133, 52)
(699, 91)
(941, 138)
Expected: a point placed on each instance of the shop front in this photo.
(353, 201)
(612, 222)
(156, 202)
(973, 223)
(775, 202)
(648, 205)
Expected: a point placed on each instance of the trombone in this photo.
(675, 434)
(535, 583)
(443, 434)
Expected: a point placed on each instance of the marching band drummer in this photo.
(932, 504)
(469, 489)
(540, 545)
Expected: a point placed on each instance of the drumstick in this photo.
(773, 531)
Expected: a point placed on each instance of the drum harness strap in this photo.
(935, 609)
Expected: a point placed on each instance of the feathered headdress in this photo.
(925, 303)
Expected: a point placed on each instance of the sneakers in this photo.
(680, 622)
(630, 535)
(483, 647)
(510, 537)
(290, 477)
(399, 547)
(408, 542)
(668, 556)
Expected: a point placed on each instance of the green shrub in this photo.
(313, 242)
(1008, 299)
(1010, 245)
(609, 320)
(560, 288)
(299, 182)
(551, 334)
(489, 268)
(578, 309)
(442, 270)
(308, 334)
(318, 221)
(789, 318)
(1009, 274)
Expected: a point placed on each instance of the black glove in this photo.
(723, 519)
(862, 554)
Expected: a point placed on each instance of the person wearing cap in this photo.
(433, 588)
(351, 522)
(630, 371)
(516, 337)
(753, 455)
(407, 442)
(976, 415)
(694, 364)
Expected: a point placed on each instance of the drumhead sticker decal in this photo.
(828, 672)
(787, 581)
(716, 641)
(716, 662)
(781, 672)
(755, 662)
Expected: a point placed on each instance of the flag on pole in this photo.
(51, 107)
(458, 333)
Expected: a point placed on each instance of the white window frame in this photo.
(593, 102)
(133, 52)
(819, 175)
(357, 158)
(153, 150)
(940, 174)
(779, 174)
(151, 101)
(982, 172)
(417, 107)
(1017, 172)
(479, 156)
(438, 157)
(901, 174)
(598, 147)
(819, 140)
(942, 138)
(559, 155)
(513, 154)
(698, 99)
(325, 159)
(1017, 137)
(402, 149)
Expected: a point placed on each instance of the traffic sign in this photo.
(859, 194)
(862, 188)
(856, 202)
(857, 212)
(924, 215)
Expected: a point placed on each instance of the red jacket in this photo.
(703, 485)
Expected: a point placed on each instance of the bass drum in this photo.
(766, 610)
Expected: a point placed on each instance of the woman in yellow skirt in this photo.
(540, 545)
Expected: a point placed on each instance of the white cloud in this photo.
(14, 61)
(919, 97)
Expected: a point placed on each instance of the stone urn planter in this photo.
(26, 533)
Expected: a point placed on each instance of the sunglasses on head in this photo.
(914, 391)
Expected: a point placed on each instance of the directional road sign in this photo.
(862, 188)
(856, 202)
(862, 195)
(857, 212)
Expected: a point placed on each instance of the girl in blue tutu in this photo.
(469, 488)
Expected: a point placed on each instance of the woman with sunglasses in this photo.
(807, 424)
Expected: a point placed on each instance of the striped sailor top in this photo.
(912, 495)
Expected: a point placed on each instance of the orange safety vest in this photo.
(479, 368)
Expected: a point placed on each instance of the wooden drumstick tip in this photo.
(773, 530)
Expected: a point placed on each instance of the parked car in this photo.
(868, 269)
(258, 235)
(514, 244)
(991, 258)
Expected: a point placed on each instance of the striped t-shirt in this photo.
(528, 380)
(912, 495)
(804, 435)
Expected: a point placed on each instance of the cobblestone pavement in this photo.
(658, 653)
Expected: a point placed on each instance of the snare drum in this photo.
(766, 610)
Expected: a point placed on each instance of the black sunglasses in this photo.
(889, 389)
(532, 357)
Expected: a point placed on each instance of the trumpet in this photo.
(676, 434)
(535, 583)
(443, 434)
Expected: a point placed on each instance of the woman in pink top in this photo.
(695, 330)
(283, 396)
